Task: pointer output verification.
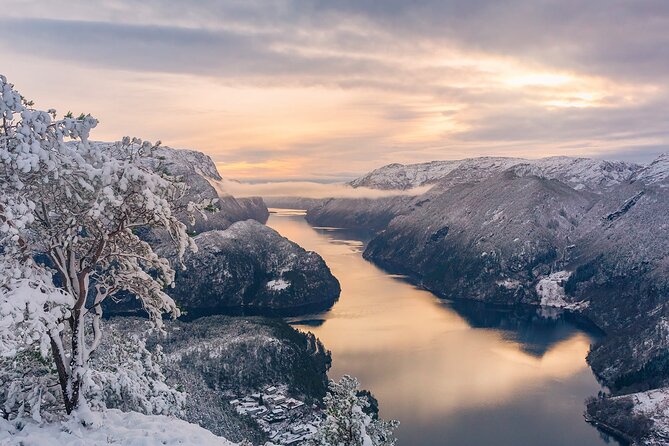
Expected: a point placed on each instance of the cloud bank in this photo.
(293, 89)
(307, 189)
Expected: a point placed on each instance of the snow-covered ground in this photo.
(551, 291)
(111, 427)
(654, 404)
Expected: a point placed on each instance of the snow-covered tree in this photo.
(69, 215)
(124, 375)
(347, 423)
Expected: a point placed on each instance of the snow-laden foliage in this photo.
(76, 207)
(137, 383)
(29, 387)
(29, 384)
(346, 421)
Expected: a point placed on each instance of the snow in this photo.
(278, 284)
(509, 284)
(551, 291)
(112, 427)
(580, 173)
(656, 171)
(654, 404)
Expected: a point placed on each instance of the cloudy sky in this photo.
(326, 90)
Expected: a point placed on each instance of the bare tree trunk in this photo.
(76, 360)
(63, 376)
(70, 375)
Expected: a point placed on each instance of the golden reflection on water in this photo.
(419, 357)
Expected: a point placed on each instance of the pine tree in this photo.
(346, 423)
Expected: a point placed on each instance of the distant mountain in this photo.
(579, 173)
(491, 240)
(582, 174)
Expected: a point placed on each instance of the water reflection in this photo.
(455, 373)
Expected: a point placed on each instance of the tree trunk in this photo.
(77, 359)
(63, 377)
(70, 378)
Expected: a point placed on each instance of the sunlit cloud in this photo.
(539, 79)
(327, 91)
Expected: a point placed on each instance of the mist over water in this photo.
(308, 189)
(453, 373)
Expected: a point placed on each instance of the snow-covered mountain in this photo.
(582, 174)
(489, 240)
(579, 173)
(588, 235)
(656, 171)
(250, 267)
(241, 264)
(197, 170)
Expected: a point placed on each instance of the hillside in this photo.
(585, 235)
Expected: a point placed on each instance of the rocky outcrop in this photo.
(247, 269)
(251, 268)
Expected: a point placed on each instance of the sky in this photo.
(327, 90)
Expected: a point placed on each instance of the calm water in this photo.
(454, 374)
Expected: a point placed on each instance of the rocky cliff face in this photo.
(621, 268)
(251, 268)
(247, 268)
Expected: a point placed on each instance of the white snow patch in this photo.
(113, 427)
(551, 291)
(278, 284)
(654, 405)
(509, 284)
(652, 402)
